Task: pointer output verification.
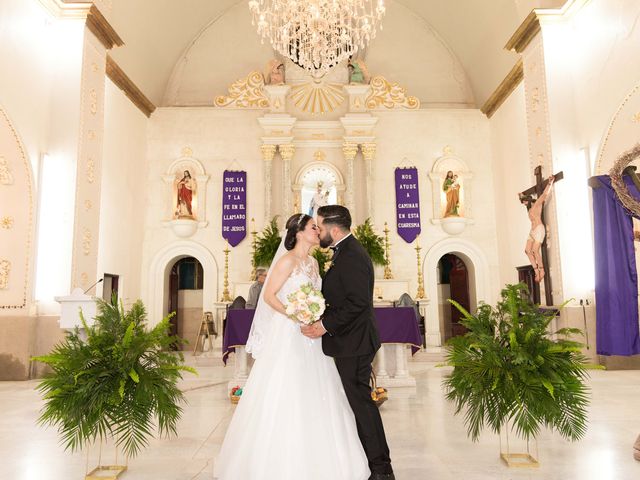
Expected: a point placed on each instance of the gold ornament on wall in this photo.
(245, 93)
(389, 95)
(5, 269)
(6, 223)
(313, 97)
(91, 135)
(91, 170)
(87, 205)
(86, 241)
(93, 101)
(636, 118)
(5, 174)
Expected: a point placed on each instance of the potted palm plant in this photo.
(267, 243)
(118, 384)
(372, 242)
(508, 370)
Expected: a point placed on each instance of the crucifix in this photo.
(533, 198)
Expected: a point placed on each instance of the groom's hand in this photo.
(315, 330)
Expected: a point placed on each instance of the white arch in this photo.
(479, 280)
(312, 165)
(158, 276)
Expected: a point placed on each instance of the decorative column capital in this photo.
(287, 151)
(369, 150)
(349, 150)
(268, 151)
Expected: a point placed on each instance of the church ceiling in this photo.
(158, 32)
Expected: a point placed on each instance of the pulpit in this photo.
(71, 306)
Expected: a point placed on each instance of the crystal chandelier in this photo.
(317, 34)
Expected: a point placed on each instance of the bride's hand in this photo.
(315, 330)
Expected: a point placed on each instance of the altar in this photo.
(397, 326)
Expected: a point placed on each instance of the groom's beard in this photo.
(326, 241)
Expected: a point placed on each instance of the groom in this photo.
(349, 332)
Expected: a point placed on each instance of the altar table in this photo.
(397, 326)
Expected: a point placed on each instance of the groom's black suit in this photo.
(352, 339)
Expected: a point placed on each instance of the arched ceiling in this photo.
(157, 32)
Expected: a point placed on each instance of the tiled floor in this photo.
(426, 440)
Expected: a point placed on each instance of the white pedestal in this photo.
(71, 306)
(241, 365)
(392, 367)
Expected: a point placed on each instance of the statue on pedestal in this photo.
(452, 189)
(358, 72)
(274, 73)
(319, 199)
(185, 191)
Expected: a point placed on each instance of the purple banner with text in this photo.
(407, 203)
(234, 206)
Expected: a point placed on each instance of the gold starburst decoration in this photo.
(6, 223)
(317, 97)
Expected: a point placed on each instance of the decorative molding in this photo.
(102, 29)
(68, 9)
(526, 32)
(6, 178)
(506, 87)
(389, 95)
(5, 270)
(124, 83)
(246, 92)
(531, 25)
(94, 19)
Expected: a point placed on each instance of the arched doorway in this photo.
(159, 272)
(480, 281)
(186, 280)
(453, 283)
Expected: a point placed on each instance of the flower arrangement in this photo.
(235, 394)
(306, 305)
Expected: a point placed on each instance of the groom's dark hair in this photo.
(335, 215)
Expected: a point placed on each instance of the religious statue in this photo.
(186, 186)
(5, 174)
(5, 268)
(274, 72)
(452, 189)
(533, 247)
(358, 72)
(319, 200)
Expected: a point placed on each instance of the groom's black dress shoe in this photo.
(382, 476)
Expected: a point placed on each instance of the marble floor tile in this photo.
(427, 441)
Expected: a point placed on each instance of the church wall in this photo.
(123, 193)
(510, 154)
(219, 139)
(590, 66)
(421, 136)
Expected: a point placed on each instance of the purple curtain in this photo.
(616, 275)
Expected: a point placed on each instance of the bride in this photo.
(293, 420)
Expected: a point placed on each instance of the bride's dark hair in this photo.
(295, 224)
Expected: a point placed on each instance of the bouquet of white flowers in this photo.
(306, 305)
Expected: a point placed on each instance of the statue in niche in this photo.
(5, 174)
(358, 72)
(185, 193)
(318, 200)
(451, 187)
(5, 268)
(274, 73)
(533, 247)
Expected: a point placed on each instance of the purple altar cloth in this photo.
(395, 325)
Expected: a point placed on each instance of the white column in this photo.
(349, 150)
(268, 151)
(286, 151)
(369, 153)
(402, 369)
(382, 373)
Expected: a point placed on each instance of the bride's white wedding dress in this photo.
(293, 420)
